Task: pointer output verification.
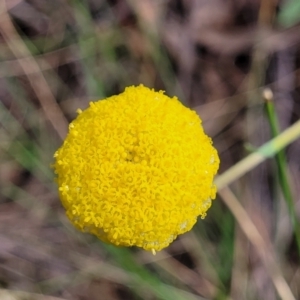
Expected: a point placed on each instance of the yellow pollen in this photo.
(136, 169)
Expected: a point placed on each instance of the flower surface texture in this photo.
(136, 169)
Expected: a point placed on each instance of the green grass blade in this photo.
(143, 277)
(282, 167)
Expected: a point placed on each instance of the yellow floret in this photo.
(136, 169)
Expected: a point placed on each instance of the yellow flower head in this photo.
(136, 169)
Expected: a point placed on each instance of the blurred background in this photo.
(230, 60)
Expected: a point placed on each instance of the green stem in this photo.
(267, 150)
(282, 167)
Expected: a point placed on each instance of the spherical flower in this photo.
(136, 169)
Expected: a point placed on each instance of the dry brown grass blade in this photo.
(33, 73)
(47, 61)
(19, 295)
(13, 3)
(264, 250)
(182, 273)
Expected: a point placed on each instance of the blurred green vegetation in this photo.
(290, 13)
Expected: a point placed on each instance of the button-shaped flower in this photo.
(136, 169)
